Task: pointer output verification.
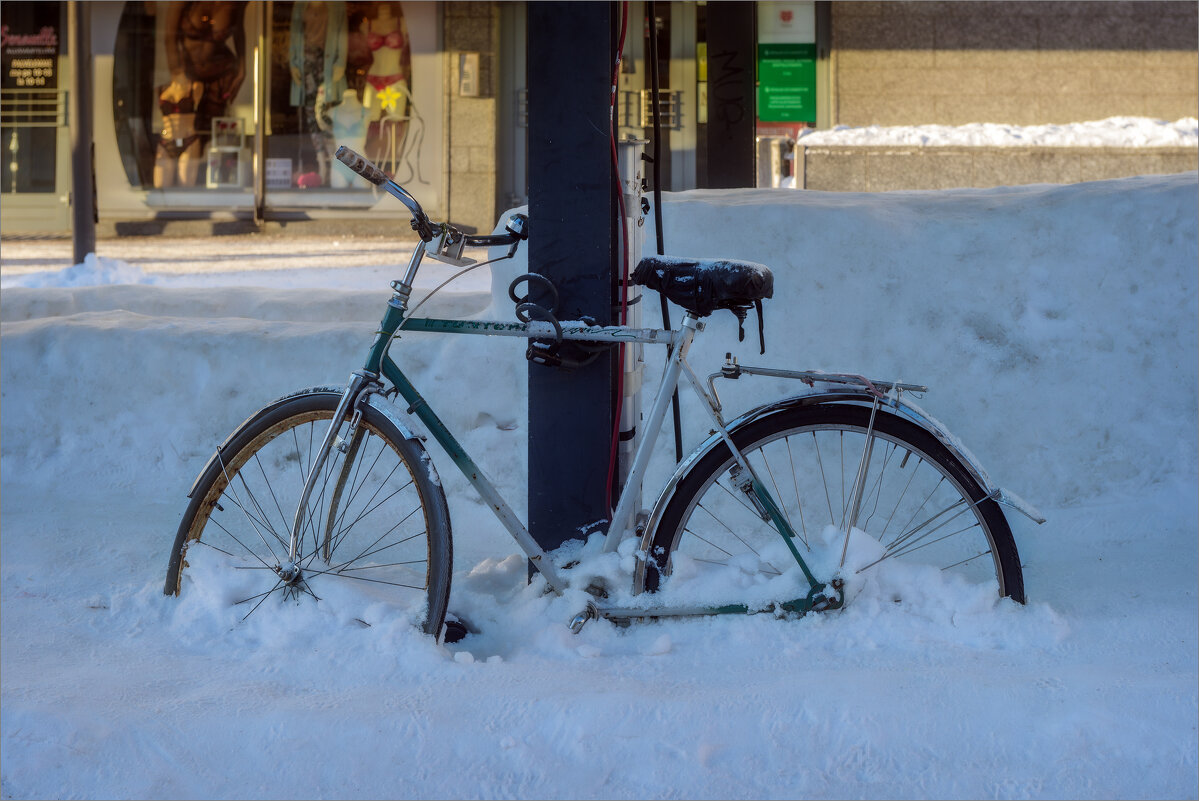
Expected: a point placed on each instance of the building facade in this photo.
(229, 112)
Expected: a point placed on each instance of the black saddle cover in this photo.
(704, 285)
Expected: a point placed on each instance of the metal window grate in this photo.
(670, 104)
(33, 108)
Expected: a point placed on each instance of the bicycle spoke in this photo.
(779, 495)
(353, 481)
(908, 550)
(860, 458)
(902, 494)
(877, 490)
(968, 559)
(823, 476)
(237, 502)
(271, 489)
(907, 527)
(385, 547)
(337, 540)
(262, 517)
(709, 542)
(381, 566)
(729, 530)
(795, 484)
(262, 598)
(739, 497)
(364, 578)
(912, 532)
(381, 536)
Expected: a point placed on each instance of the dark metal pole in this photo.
(83, 181)
(732, 94)
(571, 243)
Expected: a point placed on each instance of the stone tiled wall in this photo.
(880, 169)
(471, 27)
(1021, 63)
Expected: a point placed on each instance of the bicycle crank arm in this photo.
(818, 599)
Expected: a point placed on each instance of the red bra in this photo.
(392, 40)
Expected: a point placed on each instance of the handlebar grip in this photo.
(360, 165)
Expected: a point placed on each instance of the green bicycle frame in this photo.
(380, 363)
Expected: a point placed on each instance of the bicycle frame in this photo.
(379, 363)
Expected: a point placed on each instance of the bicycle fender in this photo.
(373, 398)
(901, 408)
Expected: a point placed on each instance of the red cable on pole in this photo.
(624, 250)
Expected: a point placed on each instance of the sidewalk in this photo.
(198, 255)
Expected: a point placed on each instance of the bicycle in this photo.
(780, 509)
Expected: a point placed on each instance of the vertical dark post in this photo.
(732, 94)
(571, 242)
(83, 183)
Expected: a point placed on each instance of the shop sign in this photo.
(29, 54)
(786, 62)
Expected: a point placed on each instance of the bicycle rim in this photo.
(922, 520)
(376, 528)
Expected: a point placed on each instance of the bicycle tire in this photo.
(822, 445)
(362, 534)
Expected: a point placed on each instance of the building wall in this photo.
(1022, 63)
(471, 28)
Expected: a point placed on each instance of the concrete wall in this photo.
(883, 169)
(1022, 63)
(471, 27)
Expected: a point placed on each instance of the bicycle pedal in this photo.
(456, 628)
(578, 621)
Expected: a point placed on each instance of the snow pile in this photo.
(1112, 132)
(1056, 327)
(93, 271)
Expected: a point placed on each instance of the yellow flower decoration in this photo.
(389, 97)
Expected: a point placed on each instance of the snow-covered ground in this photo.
(1111, 132)
(1056, 327)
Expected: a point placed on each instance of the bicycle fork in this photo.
(359, 382)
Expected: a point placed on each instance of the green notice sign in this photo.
(787, 82)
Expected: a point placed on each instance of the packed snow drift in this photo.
(1056, 327)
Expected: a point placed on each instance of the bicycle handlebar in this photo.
(360, 165)
(517, 229)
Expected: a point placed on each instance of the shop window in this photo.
(180, 94)
(335, 73)
(341, 74)
(33, 108)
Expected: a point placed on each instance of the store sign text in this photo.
(47, 38)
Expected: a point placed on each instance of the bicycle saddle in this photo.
(702, 286)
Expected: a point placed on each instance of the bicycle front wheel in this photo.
(376, 529)
(920, 516)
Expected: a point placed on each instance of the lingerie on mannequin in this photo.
(178, 153)
(347, 122)
(199, 38)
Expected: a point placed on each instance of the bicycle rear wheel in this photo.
(922, 516)
(377, 526)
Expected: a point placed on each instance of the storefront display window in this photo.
(341, 74)
(179, 85)
(33, 38)
(187, 75)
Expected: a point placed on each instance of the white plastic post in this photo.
(632, 173)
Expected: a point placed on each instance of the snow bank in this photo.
(1056, 327)
(1112, 132)
(93, 271)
